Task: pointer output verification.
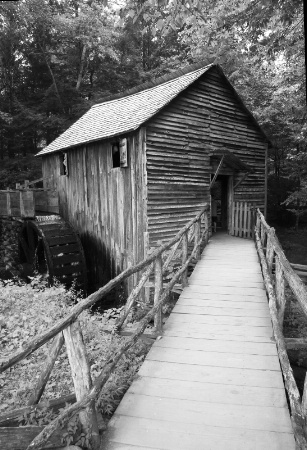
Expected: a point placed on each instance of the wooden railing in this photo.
(26, 202)
(68, 329)
(277, 272)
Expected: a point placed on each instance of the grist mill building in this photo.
(136, 167)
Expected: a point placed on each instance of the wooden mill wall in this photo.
(106, 205)
(205, 117)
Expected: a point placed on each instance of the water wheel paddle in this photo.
(50, 246)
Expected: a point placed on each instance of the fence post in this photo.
(184, 276)
(197, 235)
(280, 290)
(158, 292)
(270, 250)
(81, 375)
(206, 227)
(245, 230)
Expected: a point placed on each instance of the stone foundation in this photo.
(9, 251)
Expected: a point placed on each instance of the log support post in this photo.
(81, 375)
(280, 290)
(197, 238)
(184, 278)
(270, 250)
(206, 227)
(158, 293)
(54, 351)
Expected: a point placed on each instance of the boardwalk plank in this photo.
(245, 332)
(211, 374)
(210, 393)
(205, 303)
(214, 358)
(218, 345)
(180, 436)
(206, 414)
(222, 311)
(227, 296)
(220, 320)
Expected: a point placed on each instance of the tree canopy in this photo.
(58, 57)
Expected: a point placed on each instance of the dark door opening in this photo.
(219, 201)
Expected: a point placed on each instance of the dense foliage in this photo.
(57, 58)
(29, 309)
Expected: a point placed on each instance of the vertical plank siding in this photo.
(243, 220)
(203, 118)
(104, 204)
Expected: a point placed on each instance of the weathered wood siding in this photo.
(106, 205)
(205, 117)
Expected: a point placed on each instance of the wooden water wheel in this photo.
(50, 246)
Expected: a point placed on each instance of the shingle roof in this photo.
(124, 114)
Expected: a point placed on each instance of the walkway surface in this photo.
(213, 381)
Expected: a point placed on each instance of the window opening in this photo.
(115, 155)
(120, 153)
(63, 164)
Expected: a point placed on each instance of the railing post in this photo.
(280, 290)
(197, 235)
(184, 277)
(206, 227)
(158, 292)
(257, 224)
(270, 250)
(304, 403)
(81, 375)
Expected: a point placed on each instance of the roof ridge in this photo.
(158, 81)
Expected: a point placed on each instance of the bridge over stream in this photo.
(213, 380)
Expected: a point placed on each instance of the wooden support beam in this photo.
(197, 235)
(270, 250)
(133, 296)
(185, 249)
(280, 290)
(54, 351)
(158, 293)
(81, 375)
(217, 172)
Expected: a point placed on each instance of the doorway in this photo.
(221, 202)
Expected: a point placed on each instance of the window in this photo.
(63, 164)
(115, 154)
(119, 153)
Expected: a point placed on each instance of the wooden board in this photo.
(180, 436)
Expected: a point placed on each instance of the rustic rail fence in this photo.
(243, 220)
(68, 329)
(277, 272)
(25, 201)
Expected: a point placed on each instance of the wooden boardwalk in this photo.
(213, 381)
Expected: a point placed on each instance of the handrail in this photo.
(270, 250)
(41, 339)
(161, 295)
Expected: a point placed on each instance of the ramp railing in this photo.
(68, 329)
(277, 273)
